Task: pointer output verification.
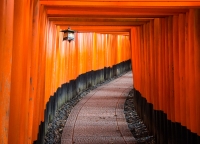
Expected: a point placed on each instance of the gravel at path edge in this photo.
(135, 124)
(55, 128)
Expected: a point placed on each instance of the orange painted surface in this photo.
(187, 96)
(191, 84)
(167, 74)
(162, 68)
(6, 43)
(181, 41)
(151, 64)
(157, 30)
(166, 85)
(35, 62)
(148, 92)
(137, 15)
(176, 69)
(131, 3)
(171, 69)
(197, 66)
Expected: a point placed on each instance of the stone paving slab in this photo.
(99, 118)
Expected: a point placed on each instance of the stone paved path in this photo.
(99, 118)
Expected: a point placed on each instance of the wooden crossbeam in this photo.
(126, 4)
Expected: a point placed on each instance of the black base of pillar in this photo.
(165, 131)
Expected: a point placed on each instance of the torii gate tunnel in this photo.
(39, 71)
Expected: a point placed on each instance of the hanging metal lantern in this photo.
(68, 34)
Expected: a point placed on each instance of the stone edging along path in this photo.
(135, 124)
(99, 117)
(55, 128)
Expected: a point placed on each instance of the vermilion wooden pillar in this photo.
(162, 64)
(176, 68)
(162, 83)
(197, 66)
(149, 77)
(39, 116)
(187, 94)
(171, 70)
(151, 56)
(166, 70)
(138, 57)
(156, 60)
(142, 61)
(6, 46)
(133, 45)
(181, 32)
(26, 66)
(137, 83)
(34, 73)
(191, 71)
(148, 84)
(166, 98)
(157, 40)
(18, 75)
(160, 57)
(38, 62)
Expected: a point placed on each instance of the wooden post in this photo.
(6, 47)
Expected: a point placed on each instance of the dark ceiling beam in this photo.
(98, 23)
(113, 13)
(99, 28)
(79, 21)
(91, 19)
(117, 33)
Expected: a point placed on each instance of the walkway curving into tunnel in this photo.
(99, 116)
